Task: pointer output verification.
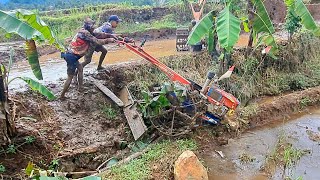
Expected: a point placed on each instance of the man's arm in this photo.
(87, 36)
(102, 35)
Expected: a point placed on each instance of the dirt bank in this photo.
(80, 132)
(278, 108)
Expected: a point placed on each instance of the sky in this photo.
(3, 1)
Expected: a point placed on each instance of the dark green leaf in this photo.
(306, 18)
(201, 29)
(36, 86)
(228, 29)
(263, 25)
(33, 20)
(164, 102)
(262, 22)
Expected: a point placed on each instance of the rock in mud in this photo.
(188, 166)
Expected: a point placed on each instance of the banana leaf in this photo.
(306, 18)
(30, 27)
(228, 29)
(35, 21)
(36, 86)
(201, 29)
(262, 22)
(11, 24)
(33, 58)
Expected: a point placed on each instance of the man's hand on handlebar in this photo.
(125, 39)
(128, 40)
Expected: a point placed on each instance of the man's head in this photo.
(88, 24)
(114, 20)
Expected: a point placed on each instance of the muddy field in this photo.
(87, 129)
(67, 130)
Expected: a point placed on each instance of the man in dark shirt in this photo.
(99, 32)
(83, 44)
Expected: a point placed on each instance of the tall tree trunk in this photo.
(7, 128)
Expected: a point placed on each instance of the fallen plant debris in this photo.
(314, 136)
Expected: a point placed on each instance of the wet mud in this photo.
(259, 144)
(80, 131)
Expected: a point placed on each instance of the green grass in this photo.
(291, 155)
(284, 154)
(109, 112)
(139, 169)
(304, 102)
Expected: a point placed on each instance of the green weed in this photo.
(246, 158)
(290, 178)
(109, 112)
(304, 102)
(29, 139)
(284, 154)
(2, 168)
(12, 149)
(139, 169)
(291, 155)
(54, 164)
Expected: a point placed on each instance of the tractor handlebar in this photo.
(144, 40)
(122, 40)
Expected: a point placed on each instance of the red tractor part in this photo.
(216, 96)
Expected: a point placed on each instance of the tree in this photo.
(30, 27)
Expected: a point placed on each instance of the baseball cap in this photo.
(114, 18)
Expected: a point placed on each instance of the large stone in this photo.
(188, 167)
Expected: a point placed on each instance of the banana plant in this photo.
(263, 27)
(29, 26)
(227, 26)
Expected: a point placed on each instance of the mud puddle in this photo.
(261, 143)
